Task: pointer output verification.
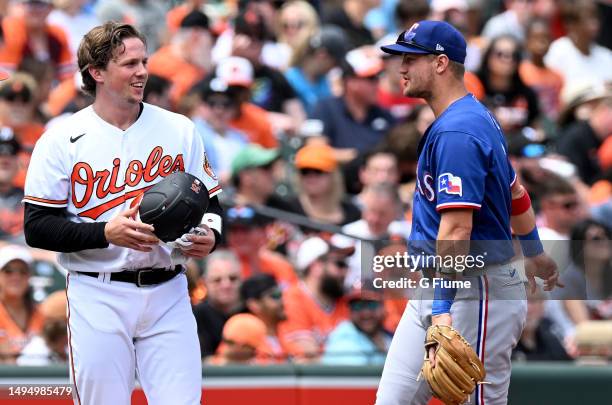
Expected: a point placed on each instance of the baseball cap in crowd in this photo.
(332, 39)
(9, 146)
(235, 71)
(245, 329)
(579, 92)
(9, 253)
(430, 37)
(318, 156)
(442, 6)
(255, 286)
(364, 294)
(314, 248)
(16, 88)
(244, 216)
(253, 156)
(365, 61)
(195, 19)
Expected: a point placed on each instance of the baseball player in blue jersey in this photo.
(467, 203)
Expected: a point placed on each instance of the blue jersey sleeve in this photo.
(461, 164)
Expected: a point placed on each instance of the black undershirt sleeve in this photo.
(48, 228)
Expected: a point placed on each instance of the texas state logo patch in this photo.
(450, 184)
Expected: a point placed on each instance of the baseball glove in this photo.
(458, 369)
(174, 206)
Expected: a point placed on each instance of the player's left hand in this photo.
(544, 267)
(202, 242)
(442, 319)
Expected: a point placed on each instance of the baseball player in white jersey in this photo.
(129, 313)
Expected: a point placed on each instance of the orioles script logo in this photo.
(105, 182)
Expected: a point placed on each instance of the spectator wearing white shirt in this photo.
(576, 55)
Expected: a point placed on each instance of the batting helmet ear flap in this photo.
(174, 206)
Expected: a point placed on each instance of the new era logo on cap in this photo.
(439, 47)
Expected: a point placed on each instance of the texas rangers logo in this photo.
(450, 184)
(411, 33)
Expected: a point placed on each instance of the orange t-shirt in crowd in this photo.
(254, 122)
(272, 263)
(175, 16)
(12, 338)
(16, 47)
(394, 309)
(182, 74)
(308, 319)
(473, 85)
(27, 135)
(60, 96)
(547, 84)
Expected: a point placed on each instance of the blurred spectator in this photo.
(20, 319)
(157, 91)
(380, 167)
(361, 340)
(298, 22)
(146, 15)
(222, 280)
(17, 95)
(252, 176)
(576, 56)
(252, 120)
(44, 74)
(270, 89)
(67, 98)
(175, 16)
(74, 19)
(246, 237)
(579, 142)
(589, 277)
(319, 187)
(403, 140)
(349, 16)
(217, 105)
(379, 222)
(263, 298)
(354, 120)
(511, 22)
(11, 209)
(243, 337)
(32, 36)
(514, 104)
(560, 208)
(51, 346)
(538, 342)
(187, 58)
(546, 82)
(309, 74)
(315, 306)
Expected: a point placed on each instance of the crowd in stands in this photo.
(306, 127)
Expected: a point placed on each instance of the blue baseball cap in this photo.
(430, 37)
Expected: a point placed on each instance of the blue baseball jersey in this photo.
(463, 163)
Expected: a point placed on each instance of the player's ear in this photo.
(96, 74)
(441, 63)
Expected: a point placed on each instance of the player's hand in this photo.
(543, 267)
(124, 231)
(203, 241)
(442, 319)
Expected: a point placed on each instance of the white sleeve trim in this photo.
(213, 221)
(458, 204)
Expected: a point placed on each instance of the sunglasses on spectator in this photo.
(338, 262)
(515, 55)
(275, 294)
(567, 205)
(19, 270)
(230, 342)
(240, 212)
(358, 306)
(307, 172)
(220, 103)
(293, 25)
(12, 97)
(232, 278)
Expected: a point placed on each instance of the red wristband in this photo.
(521, 205)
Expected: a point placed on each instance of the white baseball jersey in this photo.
(94, 169)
